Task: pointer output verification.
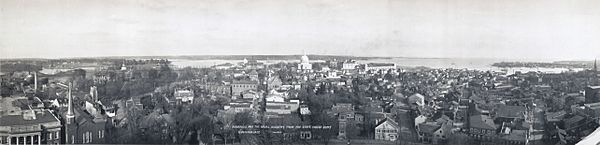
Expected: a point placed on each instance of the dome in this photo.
(304, 59)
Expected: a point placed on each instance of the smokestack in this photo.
(70, 115)
(94, 93)
(35, 82)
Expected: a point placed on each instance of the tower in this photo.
(70, 115)
(123, 67)
(35, 82)
(94, 93)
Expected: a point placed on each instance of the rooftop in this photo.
(593, 106)
(516, 135)
(429, 127)
(342, 107)
(510, 111)
(555, 116)
(40, 117)
(574, 119)
(244, 82)
(482, 121)
(390, 121)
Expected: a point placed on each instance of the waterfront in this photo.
(483, 64)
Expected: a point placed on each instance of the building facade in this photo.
(237, 87)
(387, 129)
(184, 96)
(304, 64)
(30, 127)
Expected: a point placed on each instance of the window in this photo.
(57, 135)
(50, 136)
(83, 137)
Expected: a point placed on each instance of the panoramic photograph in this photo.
(300, 72)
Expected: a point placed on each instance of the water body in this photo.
(483, 64)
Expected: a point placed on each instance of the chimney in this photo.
(70, 115)
(94, 93)
(35, 82)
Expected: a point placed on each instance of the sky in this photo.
(516, 29)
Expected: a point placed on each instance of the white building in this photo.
(349, 65)
(184, 96)
(416, 99)
(304, 64)
(387, 129)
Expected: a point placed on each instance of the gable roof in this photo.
(389, 121)
(510, 111)
(429, 127)
(41, 117)
(555, 116)
(516, 135)
(574, 119)
(482, 121)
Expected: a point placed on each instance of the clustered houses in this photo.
(81, 121)
(28, 124)
(341, 100)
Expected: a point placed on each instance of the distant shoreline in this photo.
(559, 64)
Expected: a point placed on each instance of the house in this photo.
(416, 99)
(387, 129)
(275, 98)
(349, 65)
(280, 108)
(346, 117)
(481, 127)
(435, 131)
(238, 107)
(514, 137)
(555, 117)
(240, 86)
(506, 113)
(574, 123)
(247, 95)
(419, 120)
(274, 82)
(593, 110)
(253, 75)
(592, 94)
(184, 96)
